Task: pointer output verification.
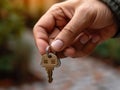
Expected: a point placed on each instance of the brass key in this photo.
(49, 72)
(49, 62)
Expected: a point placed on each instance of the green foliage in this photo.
(109, 49)
(11, 22)
(6, 62)
(12, 26)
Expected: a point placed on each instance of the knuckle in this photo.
(87, 9)
(55, 7)
(69, 31)
(57, 10)
(88, 13)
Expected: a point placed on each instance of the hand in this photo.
(88, 41)
(68, 20)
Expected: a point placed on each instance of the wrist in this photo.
(114, 7)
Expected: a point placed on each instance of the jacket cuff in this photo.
(114, 5)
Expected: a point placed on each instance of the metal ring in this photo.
(48, 50)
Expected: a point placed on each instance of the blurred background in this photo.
(19, 57)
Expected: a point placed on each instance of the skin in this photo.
(79, 24)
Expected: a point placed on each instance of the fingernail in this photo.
(57, 45)
(95, 39)
(84, 39)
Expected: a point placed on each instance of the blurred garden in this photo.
(17, 17)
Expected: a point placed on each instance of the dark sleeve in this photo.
(114, 5)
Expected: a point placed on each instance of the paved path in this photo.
(74, 74)
(83, 74)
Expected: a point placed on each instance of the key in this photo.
(50, 72)
(49, 62)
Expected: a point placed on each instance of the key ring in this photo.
(48, 51)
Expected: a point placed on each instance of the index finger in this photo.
(41, 30)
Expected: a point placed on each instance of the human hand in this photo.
(88, 41)
(67, 20)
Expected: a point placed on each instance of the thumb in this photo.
(79, 22)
